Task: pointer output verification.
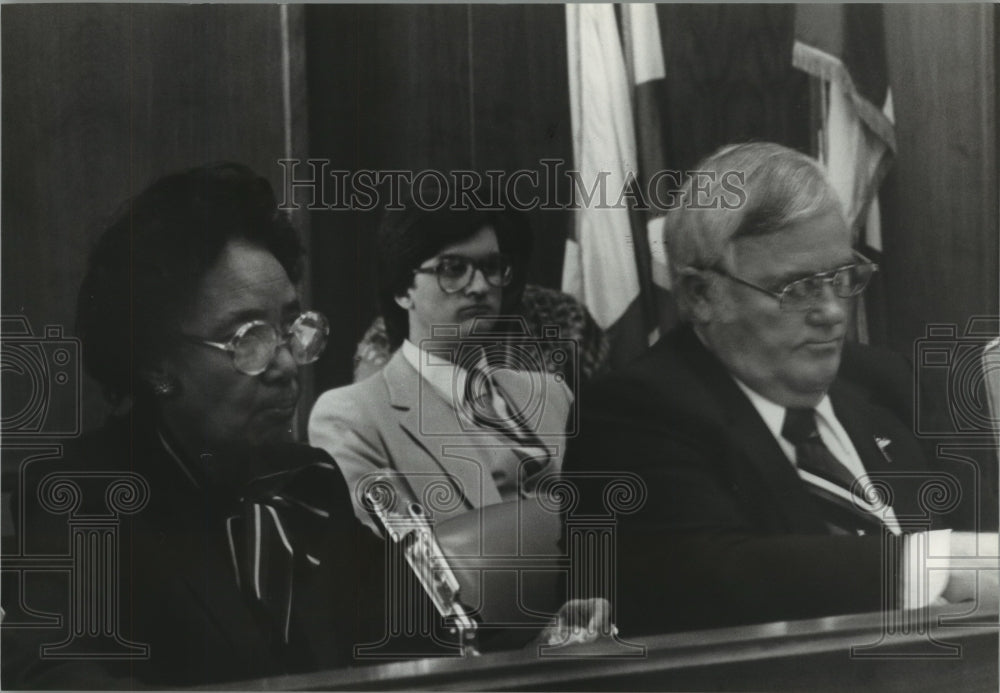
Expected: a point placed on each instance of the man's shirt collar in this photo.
(446, 377)
(774, 415)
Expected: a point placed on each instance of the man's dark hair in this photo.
(146, 266)
(410, 236)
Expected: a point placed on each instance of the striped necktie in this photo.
(811, 452)
(813, 456)
(488, 408)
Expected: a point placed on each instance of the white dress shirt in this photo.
(448, 379)
(921, 586)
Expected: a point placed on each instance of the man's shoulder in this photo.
(365, 408)
(671, 367)
(354, 397)
(864, 364)
(879, 375)
(553, 385)
(673, 383)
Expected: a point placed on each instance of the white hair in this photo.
(741, 190)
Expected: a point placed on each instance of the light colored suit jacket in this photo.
(396, 422)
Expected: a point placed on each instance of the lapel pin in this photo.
(883, 447)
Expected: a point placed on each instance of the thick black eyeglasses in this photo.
(455, 272)
(807, 292)
(255, 344)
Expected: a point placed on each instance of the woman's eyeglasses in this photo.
(454, 272)
(255, 344)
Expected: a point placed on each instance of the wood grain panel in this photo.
(941, 240)
(101, 99)
(730, 79)
(207, 85)
(393, 87)
(340, 240)
(389, 89)
(521, 110)
(413, 86)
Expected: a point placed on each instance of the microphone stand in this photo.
(414, 535)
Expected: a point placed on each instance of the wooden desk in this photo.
(954, 653)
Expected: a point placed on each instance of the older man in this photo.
(782, 481)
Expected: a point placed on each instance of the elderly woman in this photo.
(243, 558)
(246, 559)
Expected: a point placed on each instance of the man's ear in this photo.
(697, 289)
(404, 301)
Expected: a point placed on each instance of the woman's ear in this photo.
(697, 290)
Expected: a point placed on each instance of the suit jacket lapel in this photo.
(886, 448)
(178, 540)
(432, 424)
(862, 426)
(752, 439)
(545, 415)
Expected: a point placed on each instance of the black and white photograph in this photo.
(548, 347)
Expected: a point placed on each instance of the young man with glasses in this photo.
(781, 471)
(450, 420)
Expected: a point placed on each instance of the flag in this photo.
(647, 75)
(843, 46)
(608, 259)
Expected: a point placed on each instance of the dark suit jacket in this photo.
(177, 586)
(728, 533)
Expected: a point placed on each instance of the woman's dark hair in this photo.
(146, 267)
(408, 237)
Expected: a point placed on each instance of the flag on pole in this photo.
(647, 75)
(608, 260)
(600, 266)
(843, 46)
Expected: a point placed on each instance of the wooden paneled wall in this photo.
(98, 100)
(942, 238)
(730, 79)
(485, 87)
(444, 87)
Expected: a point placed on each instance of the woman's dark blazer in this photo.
(177, 591)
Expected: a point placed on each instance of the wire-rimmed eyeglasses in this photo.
(805, 293)
(254, 344)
